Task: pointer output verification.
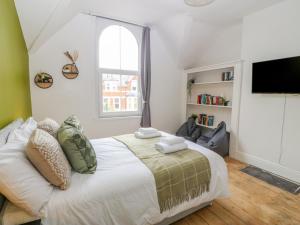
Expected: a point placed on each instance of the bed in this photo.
(123, 192)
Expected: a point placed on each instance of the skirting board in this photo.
(184, 214)
(271, 167)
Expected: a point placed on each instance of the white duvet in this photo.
(122, 191)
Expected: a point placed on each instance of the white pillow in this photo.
(23, 133)
(4, 133)
(20, 182)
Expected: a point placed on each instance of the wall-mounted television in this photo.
(276, 76)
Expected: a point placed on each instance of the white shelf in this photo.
(215, 82)
(201, 125)
(213, 67)
(213, 106)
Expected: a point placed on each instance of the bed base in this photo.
(166, 221)
(183, 214)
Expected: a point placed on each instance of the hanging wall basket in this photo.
(70, 71)
(43, 80)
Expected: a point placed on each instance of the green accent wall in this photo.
(14, 66)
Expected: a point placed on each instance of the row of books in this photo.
(206, 120)
(210, 100)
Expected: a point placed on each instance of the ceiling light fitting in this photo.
(198, 3)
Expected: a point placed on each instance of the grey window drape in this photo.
(146, 77)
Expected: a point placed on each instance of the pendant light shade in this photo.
(198, 3)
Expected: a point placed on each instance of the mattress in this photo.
(122, 191)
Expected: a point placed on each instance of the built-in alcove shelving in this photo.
(208, 80)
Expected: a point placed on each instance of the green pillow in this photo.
(76, 146)
(74, 122)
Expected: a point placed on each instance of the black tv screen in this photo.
(276, 76)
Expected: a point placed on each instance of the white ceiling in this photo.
(221, 12)
(184, 29)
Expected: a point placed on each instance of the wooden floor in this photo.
(252, 202)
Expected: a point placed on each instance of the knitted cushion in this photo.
(49, 125)
(46, 155)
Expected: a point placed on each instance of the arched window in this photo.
(118, 49)
(119, 71)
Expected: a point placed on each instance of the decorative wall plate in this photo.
(43, 80)
(70, 71)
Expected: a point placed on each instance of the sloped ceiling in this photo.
(185, 30)
(34, 16)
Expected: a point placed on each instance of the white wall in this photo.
(223, 46)
(269, 131)
(79, 96)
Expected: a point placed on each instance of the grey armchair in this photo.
(216, 140)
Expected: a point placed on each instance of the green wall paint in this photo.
(14, 66)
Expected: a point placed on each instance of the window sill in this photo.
(119, 117)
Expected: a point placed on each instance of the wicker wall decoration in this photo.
(43, 80)
(70, 71)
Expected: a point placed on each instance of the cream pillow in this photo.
(49, 125)
(20, 182)
(45, 153)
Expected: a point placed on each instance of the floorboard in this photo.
(252, 202)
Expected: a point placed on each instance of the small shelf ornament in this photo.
(70, 71)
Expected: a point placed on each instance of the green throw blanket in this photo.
(179, 176)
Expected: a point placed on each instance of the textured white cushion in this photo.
(23, 133)
(20, 182)
(4, 133)
(49, 125)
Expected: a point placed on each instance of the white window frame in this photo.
(102, 24)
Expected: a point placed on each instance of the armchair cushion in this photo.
(217, 140)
